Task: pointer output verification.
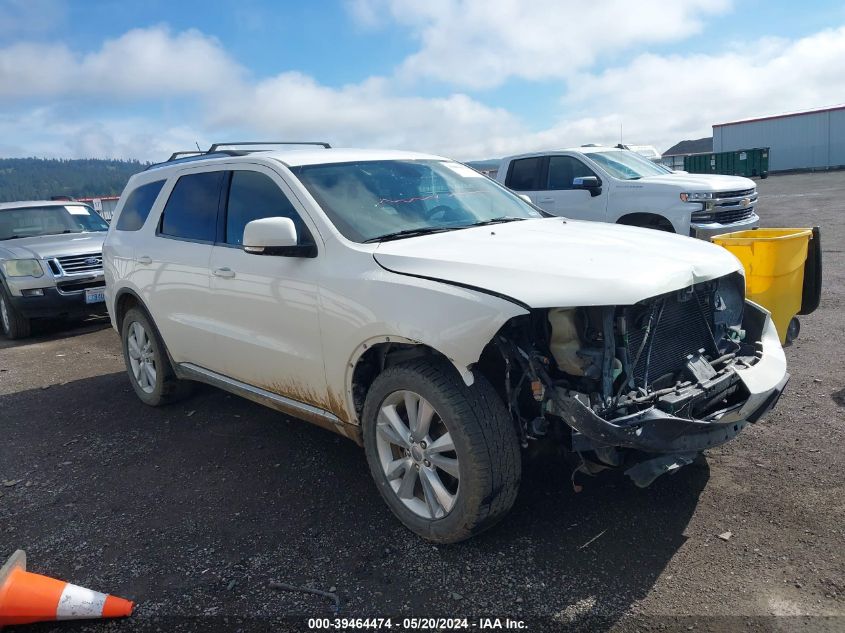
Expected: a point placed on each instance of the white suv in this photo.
(434, 317)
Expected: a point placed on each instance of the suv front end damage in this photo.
(649, 385)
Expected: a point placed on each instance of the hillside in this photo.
(39, 179)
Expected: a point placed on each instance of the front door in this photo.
(569, 202)
(265, 307)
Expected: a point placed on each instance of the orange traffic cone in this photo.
(27, 597)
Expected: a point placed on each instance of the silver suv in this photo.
(51, 262)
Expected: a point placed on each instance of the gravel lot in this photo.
(194, 509)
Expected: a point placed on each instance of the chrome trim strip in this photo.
(190, 371)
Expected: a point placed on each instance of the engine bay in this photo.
(657, 376)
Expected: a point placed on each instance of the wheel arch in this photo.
(125, 300)
(376, 354)
(647, 220)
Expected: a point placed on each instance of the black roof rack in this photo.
(191, 156)
(216, 146)
(190, 152)
(215, 151)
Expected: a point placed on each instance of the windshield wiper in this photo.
(500, 220)
(398, 235)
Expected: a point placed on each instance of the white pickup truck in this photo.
(608, 184)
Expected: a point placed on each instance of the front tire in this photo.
(12, 323)
(147, 363)
(444, 456)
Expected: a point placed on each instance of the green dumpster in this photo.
(750, 163)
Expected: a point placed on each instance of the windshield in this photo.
(52, 220)
(369, 200)
(627, 165)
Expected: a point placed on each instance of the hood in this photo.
(700, 182)
(553, 262)
(47, 246)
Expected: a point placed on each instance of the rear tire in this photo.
(147, 363)
(12, 323)
(460, 473)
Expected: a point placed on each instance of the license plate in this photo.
(95, 295)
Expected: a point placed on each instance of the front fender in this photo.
(389, 307)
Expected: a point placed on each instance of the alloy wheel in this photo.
(417, 454)
(141, 357)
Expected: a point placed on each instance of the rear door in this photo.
(171, 267)
(265, 307)
(526, 176)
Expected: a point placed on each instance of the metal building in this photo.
(814, 139)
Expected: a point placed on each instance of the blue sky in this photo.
(470, 78)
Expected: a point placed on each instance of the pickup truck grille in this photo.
(731, 216)
(728, 207)
(89, 262)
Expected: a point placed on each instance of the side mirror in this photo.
(590, 183)
(525, 197)
(275, 236)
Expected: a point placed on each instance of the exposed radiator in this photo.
(684, 327)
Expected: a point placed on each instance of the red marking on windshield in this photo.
(422, 198)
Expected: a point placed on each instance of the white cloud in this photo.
(293, 105)
(680, 97)
(659, 100)
(150, 63)
(48, 132)
(483, 43)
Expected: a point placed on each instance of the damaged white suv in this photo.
(428, 313)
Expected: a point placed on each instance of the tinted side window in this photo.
(524, 174)
(191, 210)
(563, 169)
(137, 206)
(253, 196)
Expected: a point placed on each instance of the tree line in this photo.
(43, 178)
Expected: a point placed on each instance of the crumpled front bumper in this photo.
(655, 431)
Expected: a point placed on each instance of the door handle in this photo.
(145, 259)
(546, 200)
(226, 273)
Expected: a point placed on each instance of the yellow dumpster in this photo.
(778, 273)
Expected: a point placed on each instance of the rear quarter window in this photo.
(137, 206)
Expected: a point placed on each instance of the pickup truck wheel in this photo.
(147, 363)
(444, 456)
(12, 322)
